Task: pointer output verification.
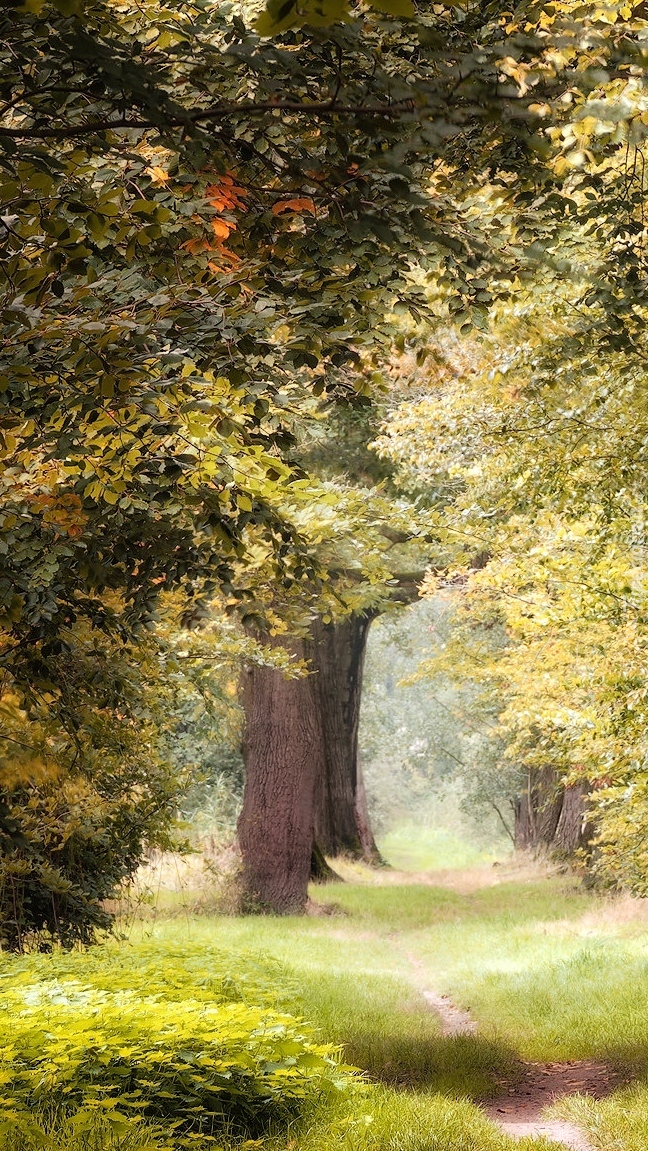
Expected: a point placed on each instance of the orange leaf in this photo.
(222, 229)
(225, 195)
(299, 205)
(195, 245)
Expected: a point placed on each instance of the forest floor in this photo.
(493, 1008)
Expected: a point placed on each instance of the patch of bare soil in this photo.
(519, 1111)
(454, 1021)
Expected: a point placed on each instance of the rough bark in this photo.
(538, 808)
(573, 830)
(341, 818)
(320, 870)
(549, 816)
(368, 846)
(304, 797)
(283, 758)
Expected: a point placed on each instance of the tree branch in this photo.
(219, 112)
(503, 822)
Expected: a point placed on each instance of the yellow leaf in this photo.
(158, 175)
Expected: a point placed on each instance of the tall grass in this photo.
(412, 847)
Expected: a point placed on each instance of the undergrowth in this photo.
(116, 1039)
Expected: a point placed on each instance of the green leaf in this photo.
(394, 7)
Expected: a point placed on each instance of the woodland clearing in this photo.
(554, 977)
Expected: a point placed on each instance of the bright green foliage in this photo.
(156, 1033)
(534, 454)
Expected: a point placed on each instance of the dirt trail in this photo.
(519, 1111)
(454, 1021)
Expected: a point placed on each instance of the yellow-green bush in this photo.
(151, 1033)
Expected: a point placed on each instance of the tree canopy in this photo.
(217, 226)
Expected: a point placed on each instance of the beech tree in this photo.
(341, 823)
(303, 792)
(202, 230)
(205, 229)
(196, 220)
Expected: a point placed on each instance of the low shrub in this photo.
(158, 1035)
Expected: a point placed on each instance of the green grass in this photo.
(413, 848)
(387, 1120)
(549, 971)
(619, 1123)
(543, 965)
(531, 961)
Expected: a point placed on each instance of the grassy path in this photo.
(550, 974)
(520, 1109)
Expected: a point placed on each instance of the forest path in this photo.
(519, 1110)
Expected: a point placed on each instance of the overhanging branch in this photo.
(219, 112)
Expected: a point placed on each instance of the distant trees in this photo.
(544, 440)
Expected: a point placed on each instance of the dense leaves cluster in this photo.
(156, 1034)
(87, 783)
(196, 220)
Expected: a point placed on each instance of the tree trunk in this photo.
(282, 748)
(551, 816)
(320, 870)
(304, 795)
(573, 830)
(368, 845)
(537, 810)
(341, 818)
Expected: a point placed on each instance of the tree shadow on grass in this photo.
(471, 1067)
(460, 1066)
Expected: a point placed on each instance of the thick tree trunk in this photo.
(304, 795)
(573, 830)
(538, 809)
(283, 759)
(320, 870)
(550, 816)
(341, 818)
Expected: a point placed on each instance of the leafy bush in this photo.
(155, 1034)
(85, 788)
